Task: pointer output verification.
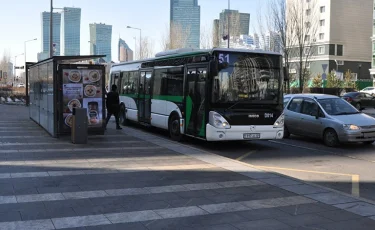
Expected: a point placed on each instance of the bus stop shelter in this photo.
(61, 83)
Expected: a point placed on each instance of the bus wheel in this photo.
(174, 128)
(122, 116)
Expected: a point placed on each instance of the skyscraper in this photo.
(124, 51)
(71, 31)
(45, 16)
(186, 14)
(101, 40)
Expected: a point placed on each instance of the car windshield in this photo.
(248, 77)
(337, 106)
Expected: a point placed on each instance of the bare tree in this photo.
(147, 50)
(206, 39)
(175, 37)
(303, 22)
(4, 65)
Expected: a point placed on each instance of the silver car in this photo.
(327, 117)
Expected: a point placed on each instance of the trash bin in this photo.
(80, 126)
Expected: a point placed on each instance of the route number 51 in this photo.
(223, 58)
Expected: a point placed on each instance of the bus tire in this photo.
(174, 127)
(122, 115)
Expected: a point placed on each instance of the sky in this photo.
(21, 21)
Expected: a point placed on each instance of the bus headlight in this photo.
(279, 123)
(218, 121)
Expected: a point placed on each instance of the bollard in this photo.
(79, 133)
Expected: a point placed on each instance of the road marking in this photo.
(354, 177)
(246, 155)
(44, 197)
(355, 185)
(153, 214)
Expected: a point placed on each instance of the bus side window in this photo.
(124, 83)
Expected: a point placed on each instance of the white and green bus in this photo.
(215, 95)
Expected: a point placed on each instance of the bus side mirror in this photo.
(214, 68)
(286, 73)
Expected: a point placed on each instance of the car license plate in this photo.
(251, 135)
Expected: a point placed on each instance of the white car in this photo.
(369, 90)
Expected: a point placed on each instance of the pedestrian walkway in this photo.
(130, 179)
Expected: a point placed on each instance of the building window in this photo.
(308, 12)
(340, 62)
(322, 22)
(307, 65)
(340, 50)
(307, 38)
(332, 49)
(308, 24)
(322, 9)
(321, 50)
(321, 36)
(307, 51)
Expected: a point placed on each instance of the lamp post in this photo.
(135, 46)
(15, 64)
(140, 39)
(228, 23)
(24, 49)
(51, 28)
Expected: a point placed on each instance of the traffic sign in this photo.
(19, 67)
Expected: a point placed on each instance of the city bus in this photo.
(215, 95)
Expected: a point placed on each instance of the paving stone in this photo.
(360, 208)
(357, 224)
(304, 189)
(130, 226)
(306, 208)
(224, 207)
(339, 215)
(331, 198)
(260, 214)
(280, 181)
(181, 212)
(29, 225)
(266, 224)
(303, 220)
(80, 221)
(10, 216)
(128, 217)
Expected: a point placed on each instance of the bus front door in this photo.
(195, 103)
(144, 98)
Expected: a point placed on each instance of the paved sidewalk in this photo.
(131, 179)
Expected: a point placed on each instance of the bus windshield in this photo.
(248, 77)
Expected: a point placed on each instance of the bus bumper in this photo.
(235, 133)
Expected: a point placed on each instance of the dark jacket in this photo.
(113, 102)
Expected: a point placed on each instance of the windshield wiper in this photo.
(346, 113)
(238, 102)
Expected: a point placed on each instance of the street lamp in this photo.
(24, 49)
(51, 28)
(15, 64)
(135, 46)
(140, 39)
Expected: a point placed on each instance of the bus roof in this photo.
(192, 52)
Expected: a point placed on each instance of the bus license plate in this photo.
(251, 135)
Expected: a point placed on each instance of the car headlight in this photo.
(218, 121)
(279, 123)
(351, 127)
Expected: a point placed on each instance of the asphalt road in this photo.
(348, 168)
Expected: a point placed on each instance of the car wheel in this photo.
(174, 128)
(368, 142)
(286, 132)
(330, 138)
(358, 106)
(122, 117)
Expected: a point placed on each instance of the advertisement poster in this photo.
(82, 88)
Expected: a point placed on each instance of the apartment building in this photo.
(338, 38)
